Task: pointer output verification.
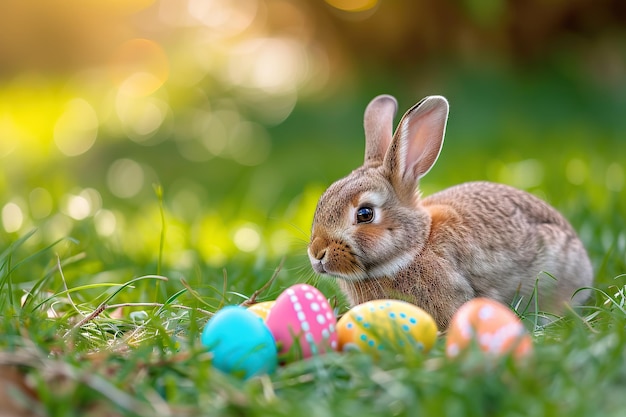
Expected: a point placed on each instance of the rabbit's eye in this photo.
(364, 215)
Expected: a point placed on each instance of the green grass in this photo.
(105, 324)
(80, 358)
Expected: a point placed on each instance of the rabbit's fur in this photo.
(476, 239)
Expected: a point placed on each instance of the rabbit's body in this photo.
(373, 231)
(509, 237)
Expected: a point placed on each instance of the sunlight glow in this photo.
(247, 238)
(227, 16)
(213, 130)
(9, 134)
(213, 239)
(125, 178)
(105, 223)
(353, 5)
(76, 130)
(78, 207)
(146, 80)
(273, 65)
(140, 67)
(12, 217)
(83, 204)
(141, 116)
(93, 197)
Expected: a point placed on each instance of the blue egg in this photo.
(240, 342)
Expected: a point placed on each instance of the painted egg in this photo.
(489, 324)
(302, 322)
(262, 309)
(386, 325)
(240, 342)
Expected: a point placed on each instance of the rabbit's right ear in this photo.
(418, 141)
(378, 122)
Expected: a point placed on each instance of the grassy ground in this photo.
(79, 357)
(108, 324)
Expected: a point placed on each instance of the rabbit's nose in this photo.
(318, 248)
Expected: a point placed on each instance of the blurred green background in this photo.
(243, 111)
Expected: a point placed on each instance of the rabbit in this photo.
(374, 232)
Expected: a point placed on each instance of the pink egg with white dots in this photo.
(302, 322)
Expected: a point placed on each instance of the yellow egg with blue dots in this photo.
(262, 309)
(386, 325)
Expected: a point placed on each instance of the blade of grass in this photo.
(103, 305)
(69, 297)
(171, 300)
(158, 189)
(45, 249)
(6, 264)
(160, 305)
(265, 286)
(6, 259)
(76, 289)
(609, 300)
(195, 294)
(19, 242)
(39, 283)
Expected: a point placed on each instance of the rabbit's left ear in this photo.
(418, 140)
(378, 123)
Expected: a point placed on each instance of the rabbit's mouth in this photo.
(318, 266)
(355, 274)
(348, 266)
(322, 264)
(335, 259)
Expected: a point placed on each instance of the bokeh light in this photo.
(139, 67)
(615, 177)
(125, 178)
(12, 217)
(105, 222)
(353, 5)
(76, 130)
(245, 110)
(247, 238)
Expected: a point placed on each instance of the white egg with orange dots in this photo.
(302, 323)
(262, 309)
(386, 325)
(492, 326)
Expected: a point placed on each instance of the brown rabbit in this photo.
(374, 232)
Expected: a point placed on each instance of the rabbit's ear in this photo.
(418, 140)
(378, 121)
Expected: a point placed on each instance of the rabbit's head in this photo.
(370, 224)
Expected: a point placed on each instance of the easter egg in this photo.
(262, 309)
(386, 325)
(492, 326)
(302, 322)
(240, 342)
